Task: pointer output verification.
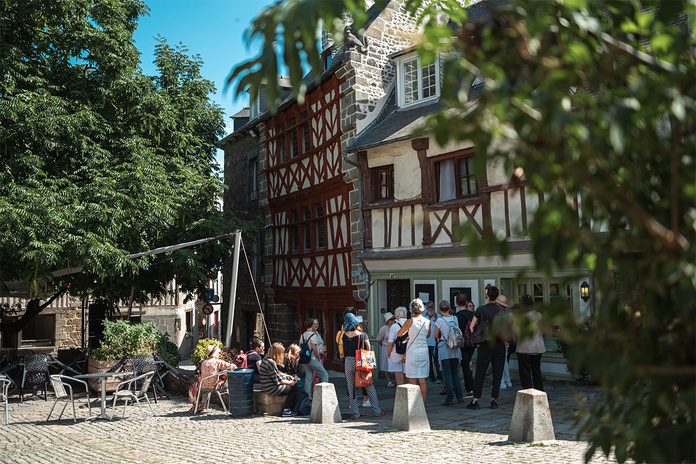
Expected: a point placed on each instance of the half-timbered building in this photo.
(419, 197)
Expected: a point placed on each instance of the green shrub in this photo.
(125, 340)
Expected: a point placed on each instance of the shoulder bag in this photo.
(364, 359)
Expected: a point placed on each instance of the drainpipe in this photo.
(362, 224)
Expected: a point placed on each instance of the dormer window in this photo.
(417, 81)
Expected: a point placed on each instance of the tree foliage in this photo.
(592, 104)
(99, 160)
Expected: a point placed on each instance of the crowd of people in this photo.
(414, 350)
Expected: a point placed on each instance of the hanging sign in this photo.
(207, 309)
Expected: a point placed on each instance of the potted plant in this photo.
(122, 341)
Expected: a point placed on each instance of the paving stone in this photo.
(175, 436)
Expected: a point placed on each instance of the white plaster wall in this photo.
(377, 229)
(515, 202)
(498, 212)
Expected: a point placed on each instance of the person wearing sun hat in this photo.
(383, 340)
(353, 339)
(211, 365)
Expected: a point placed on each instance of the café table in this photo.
(102, 376)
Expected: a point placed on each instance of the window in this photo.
(455, 178)
(307, 229)
(384, 183)
(295, 231)
(40, 330)
(306, 138)
(294, 141)
(321, 225)
(417, 82)
(282, 147)
(252, 179)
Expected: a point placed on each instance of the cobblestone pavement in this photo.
(175, 436)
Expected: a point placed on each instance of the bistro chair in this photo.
(4, 389)
(217, 389)
(35, 374)
(63, 388)
(134, 389)
(144, 363)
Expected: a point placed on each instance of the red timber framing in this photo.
(309, 210)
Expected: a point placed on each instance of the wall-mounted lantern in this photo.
(585, 291)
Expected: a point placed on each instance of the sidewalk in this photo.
(175, 436)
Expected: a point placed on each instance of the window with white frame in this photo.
(417, 81)
(454, 176)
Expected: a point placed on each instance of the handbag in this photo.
(365, 359)
(480, 333)
(400, 344)
(363, 379)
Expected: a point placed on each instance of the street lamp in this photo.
(585, 291)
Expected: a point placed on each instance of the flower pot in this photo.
(106, 366)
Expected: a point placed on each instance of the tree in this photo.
(592, 104)
(100, 160)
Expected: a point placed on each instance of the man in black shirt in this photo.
(488, 352)
(464, 316)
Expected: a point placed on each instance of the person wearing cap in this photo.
(530, 349)
(505, 382)
(488, 352)
(212, 365)
(383, 340)
(354, 339)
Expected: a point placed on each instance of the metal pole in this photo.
(233, 288)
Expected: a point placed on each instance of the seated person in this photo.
(211, 365)
(254, 357)
(274, 382)
(292, 358)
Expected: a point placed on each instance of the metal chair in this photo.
(35, 374)
(134, 389)
(64, 392)
(210, 391)
(144, 363)
(4, 389)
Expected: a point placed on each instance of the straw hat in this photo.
(501, 301)
(387, 316)
(211, 350)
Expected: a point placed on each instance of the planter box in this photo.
(106, 366)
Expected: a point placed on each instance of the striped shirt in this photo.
(269, 377)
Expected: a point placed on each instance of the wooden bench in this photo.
(269, 404)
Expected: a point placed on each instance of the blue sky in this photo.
(212, 29)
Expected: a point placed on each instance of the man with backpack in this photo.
(464, 314)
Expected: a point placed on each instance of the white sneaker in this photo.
(509, 384)
(503, 386)
(366, 404)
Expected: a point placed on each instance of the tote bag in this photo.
(365, 359)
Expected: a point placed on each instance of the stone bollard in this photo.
(325, 408)
(409, 410)
(531, 417)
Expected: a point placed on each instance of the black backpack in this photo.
(305, 350)
(400, 344)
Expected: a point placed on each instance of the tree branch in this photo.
(33, 310)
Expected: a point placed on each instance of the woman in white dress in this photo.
(383, 340)
(417, 367)
(395, 365)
